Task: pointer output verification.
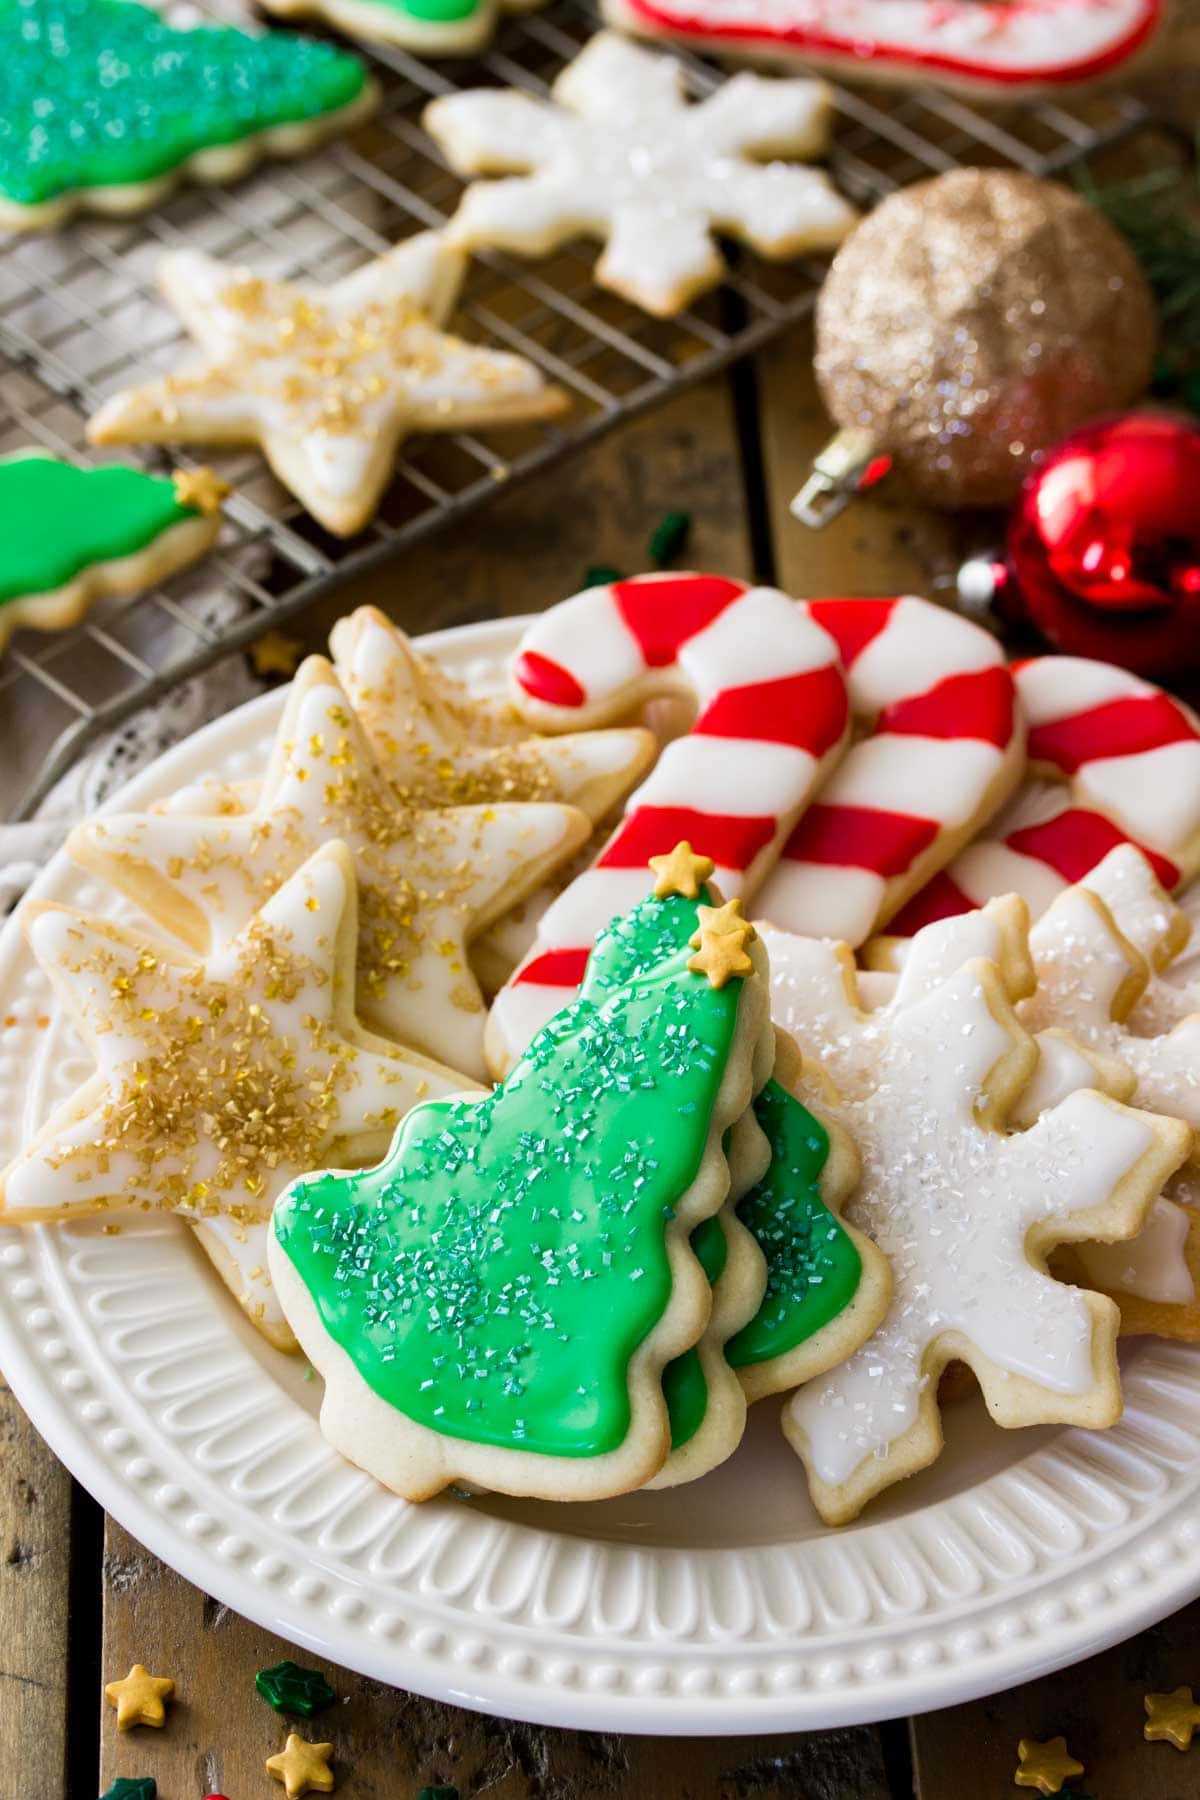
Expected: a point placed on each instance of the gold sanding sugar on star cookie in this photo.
(1045, 1766)
(327, 381)
(440, 744)
(1171, 1718)
(681, 871)
(217, 1081)
(140, 1698)
(302, 1768)
(428, 879)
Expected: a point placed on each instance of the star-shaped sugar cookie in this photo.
(429, 879)
(217, 1081)
(965, 1209)
(440, 745)
(618, 154)
(328, 381)
(140, 1699)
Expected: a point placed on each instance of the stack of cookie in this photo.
(884, 1129)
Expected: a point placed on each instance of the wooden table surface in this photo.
(80, 1601)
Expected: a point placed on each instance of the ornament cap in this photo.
(842, 469)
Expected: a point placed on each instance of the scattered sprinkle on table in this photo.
(139, 1699)
(302, 1768)
(668, 538)
(137, 1787)
(289, 1688)
(275, 653)
(1171, 1718)
(1045, 1766)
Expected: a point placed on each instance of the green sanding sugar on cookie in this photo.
(813, 1266)
(684, 1387)
(101, 93)
(291, 1689)
(56, 520)
(493, 1277)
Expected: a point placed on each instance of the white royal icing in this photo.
(948, 1200)
(618, 153)
(326, 380)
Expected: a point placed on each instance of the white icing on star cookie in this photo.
(328, 381)
(216, 1081)
(965, 1211)
(429, 880)
(440, 745)
(618, 154)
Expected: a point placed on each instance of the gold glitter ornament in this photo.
(966, 325)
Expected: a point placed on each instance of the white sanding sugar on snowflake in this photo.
(618, 154)
(1095, 963)
(965, 1211)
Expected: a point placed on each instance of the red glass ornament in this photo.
(1103, 548)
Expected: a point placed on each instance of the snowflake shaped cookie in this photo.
(966, 1212)
(328, 381)
(429, 879)
(618, 154)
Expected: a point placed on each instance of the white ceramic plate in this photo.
(721, 1607)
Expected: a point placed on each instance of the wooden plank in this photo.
(884, 542)
(389, 1744)
(35, 1538)
(1096, 1706)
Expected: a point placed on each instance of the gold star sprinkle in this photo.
(722, 954)
(1171, 1718)
(681, 871)
(275, 654)
(139, 1698)
(302, 1768)
(723, 921)
(202, 489)
(1045, 1766)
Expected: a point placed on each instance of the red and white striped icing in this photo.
(989, 45)
(1130, 758)
(936, 699)
(772, 716)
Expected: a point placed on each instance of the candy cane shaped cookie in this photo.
(1124, 758)
(941, 748)
(772, 718)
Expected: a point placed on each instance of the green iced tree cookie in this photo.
(516, 1274)
(104, 95)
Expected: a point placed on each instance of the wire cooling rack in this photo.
(80, 318)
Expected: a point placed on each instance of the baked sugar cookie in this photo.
(216, 1081)
(966, 1212)
(440, 745)
(429, 27)
(429, 880)
(618, 154)
(986, 47)
(496, 1303)
(327, 381)
(69, 536)
(106, 105)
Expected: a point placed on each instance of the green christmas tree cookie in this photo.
(496, 1302)
(69, 536)
(431, 27)
(104, 104)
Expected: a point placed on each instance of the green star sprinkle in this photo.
(669, 537)
(139, 1787)
(290, 1689)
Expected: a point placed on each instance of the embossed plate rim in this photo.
(1123, 1505)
